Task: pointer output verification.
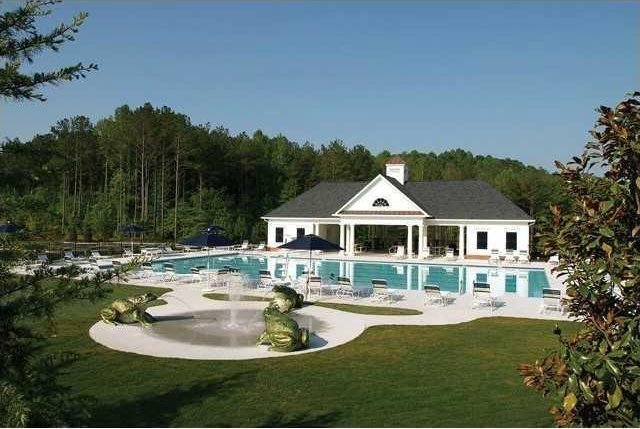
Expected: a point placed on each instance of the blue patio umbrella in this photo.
(209, 237)
(311, 242)
(132, 229)
(9, 228)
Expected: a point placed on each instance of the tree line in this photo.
(154, 167)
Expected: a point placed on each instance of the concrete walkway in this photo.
(337, 327)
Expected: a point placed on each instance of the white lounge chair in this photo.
(482, 296)
(243, 246)
(510, 256)
(432, 295)
(397, 251)
(345, 288)
(551, 300)
(169, 272)
(265, 280)
(96, 254)
(380, 290)
(554, 260)
(449, 254)
(261, 246)
(523, 256)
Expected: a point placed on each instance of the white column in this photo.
(421, 240)
(352, 238)
(342, 238)
(410, 241)
(461, 242)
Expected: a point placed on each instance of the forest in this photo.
(153, 167)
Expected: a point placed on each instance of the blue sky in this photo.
(517, 80)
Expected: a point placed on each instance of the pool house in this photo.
(389, 214)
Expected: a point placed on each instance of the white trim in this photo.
(369, 185)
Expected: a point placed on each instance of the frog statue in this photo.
(130, 310)
(286, 299)
(282, 332)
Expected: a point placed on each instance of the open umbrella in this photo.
(209, 237)
(311, 242)
(132, 229)
(9, 228)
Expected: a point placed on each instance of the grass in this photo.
(457, 375)
(351, 308)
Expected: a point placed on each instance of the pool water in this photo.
(525, 282)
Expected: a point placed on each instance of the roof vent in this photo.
(397, 169)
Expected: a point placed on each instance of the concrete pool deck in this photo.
(338, 327)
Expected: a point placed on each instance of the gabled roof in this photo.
(464, 199)
(321, 201)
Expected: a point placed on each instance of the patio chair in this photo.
(265, 280)
(433, 295)
(198, 274)
(380, 290)
(261, 246)
(314, 285)
(397, 251)
(523, 256)
(494, 256)
(69, 256)
(100, 265)
(96, 254)
(551, 300)
(243, 246)
(482, 296)
(554, 260)
(345, 288)
(169, 272)
(449, 254)
(509, 256)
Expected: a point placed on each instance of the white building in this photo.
(481, 218)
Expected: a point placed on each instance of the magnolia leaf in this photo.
(615, 398)
(570, 401)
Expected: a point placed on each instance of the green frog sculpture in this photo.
(286, 299)
(130, 310)
(282, 333)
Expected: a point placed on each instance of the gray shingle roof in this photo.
(465, 199)
(320, 201)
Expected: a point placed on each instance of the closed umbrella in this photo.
(311, 242)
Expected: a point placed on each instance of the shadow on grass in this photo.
(160, 410)
(279, 419)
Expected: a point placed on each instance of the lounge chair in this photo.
(96, 254)
(523, 256)
(482, 296)
(69, 256)
(449, 254)
(510, 256)
(433, 295)
(380, 290)
(554, 260)
(265, 280)
(169, 272)
(100, 265)
(345, 288)
(261, 246)
(551, 300)
(315, 285)
(495, 256)
(397, 251)
(244, 246)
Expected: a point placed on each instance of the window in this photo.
(380, 202)
(279, 234)
(481, 240)
(512, 240)
(299, 232)
(481, 277)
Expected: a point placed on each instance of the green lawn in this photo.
(460, 375)
(351, 308)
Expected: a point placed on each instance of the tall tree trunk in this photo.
(64, 190)
(162, 195)
(175, 207)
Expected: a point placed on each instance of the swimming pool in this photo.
(525, 282)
